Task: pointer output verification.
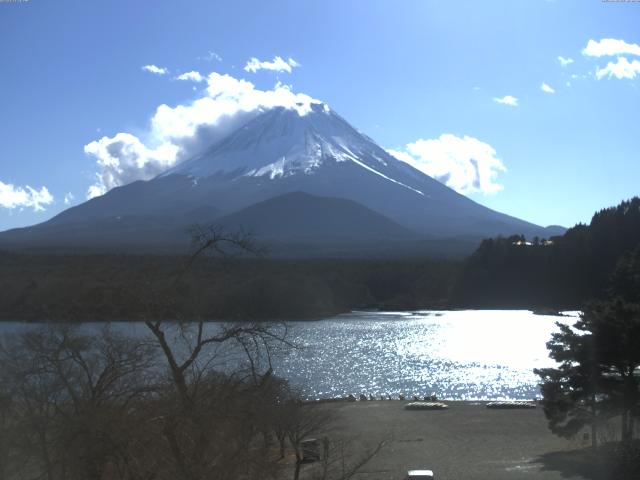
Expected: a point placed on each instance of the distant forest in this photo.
(585, 263)
(558, 273)
(112, 287)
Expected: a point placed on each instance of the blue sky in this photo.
(439, 83)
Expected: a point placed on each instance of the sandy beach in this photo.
(466, 441)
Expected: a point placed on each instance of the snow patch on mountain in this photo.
(282, 142)
(385, 177)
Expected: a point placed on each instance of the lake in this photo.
(461, 355)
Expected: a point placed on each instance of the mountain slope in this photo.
(291, 225)
(294, 213)
(320, 153)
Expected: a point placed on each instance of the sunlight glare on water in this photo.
(454, 354)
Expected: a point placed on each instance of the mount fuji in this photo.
(302, 179)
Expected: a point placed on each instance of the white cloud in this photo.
(610, 47)
(564, 61)
(18, 197)
(96, 190)
(465, 164)
(177, 133)
(155, 70)
(211, 55)
(124, 158)
(192, 76)
(68, 198)
(620, 69)
(507, 100)
(278, 65)
(546, 88)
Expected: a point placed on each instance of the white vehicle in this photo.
(420, 475)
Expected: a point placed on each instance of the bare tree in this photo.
(212, 420)
(71, 400)
(207, 241)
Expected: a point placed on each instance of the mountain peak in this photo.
(281, 142)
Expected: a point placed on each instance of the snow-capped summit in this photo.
(283, 142)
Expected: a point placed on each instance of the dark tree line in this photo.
(120, 287)
(561, 272)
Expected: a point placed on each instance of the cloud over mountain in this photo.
(176, 133)
(465, 164)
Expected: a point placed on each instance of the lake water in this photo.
(463, 355)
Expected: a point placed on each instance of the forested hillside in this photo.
(561, 272)
(128, 287)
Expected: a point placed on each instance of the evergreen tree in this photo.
(598, 376)
(615, 327)
(570, 392)
(625, 281)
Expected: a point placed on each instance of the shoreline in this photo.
(410, 399)
(564, 313)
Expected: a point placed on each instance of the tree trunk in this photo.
(266, 438)
(594, 427)
(281, 442)
(177, 374)
(45, 454)
(627, 426)
(296, 472)
(174, 447)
